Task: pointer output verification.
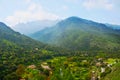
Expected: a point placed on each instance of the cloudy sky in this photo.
(13, 12)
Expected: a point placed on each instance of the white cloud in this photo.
(33, 12)
(98, 4)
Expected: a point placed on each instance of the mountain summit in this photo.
(80, 34)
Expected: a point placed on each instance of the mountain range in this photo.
(73, 41)
(80, 34)
(117, 27)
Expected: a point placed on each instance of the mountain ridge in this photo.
(73, 30)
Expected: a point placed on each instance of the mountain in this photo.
(7, 35)
(80, 34)
(33, 26)
(15, 49)
(117, 27)
(24, 58)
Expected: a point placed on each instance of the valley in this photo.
(73, 49)
(59, 39)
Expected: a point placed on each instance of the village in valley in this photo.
(70, 68)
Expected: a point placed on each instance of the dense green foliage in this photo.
(18, 49)
(22, 58)
(115, 74)
(82, 67)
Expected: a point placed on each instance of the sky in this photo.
(13, 12)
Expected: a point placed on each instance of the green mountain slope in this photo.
(80, 34)
(24, 58)
(10, 36)
(16, 49)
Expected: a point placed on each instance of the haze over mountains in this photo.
(80, 34)
(117, 27)
(73, 41)
(9, 37)
(72, 33)
(33, 26)
(12, 39)
(60, 40)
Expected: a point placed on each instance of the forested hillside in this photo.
(80, 34)
(22, 58)
(16, 49)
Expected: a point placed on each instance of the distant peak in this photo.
(77, 18)
(2, 24)
(74, 18)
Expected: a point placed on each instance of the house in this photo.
(45, 66)
(102, 69)
(31, 66)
